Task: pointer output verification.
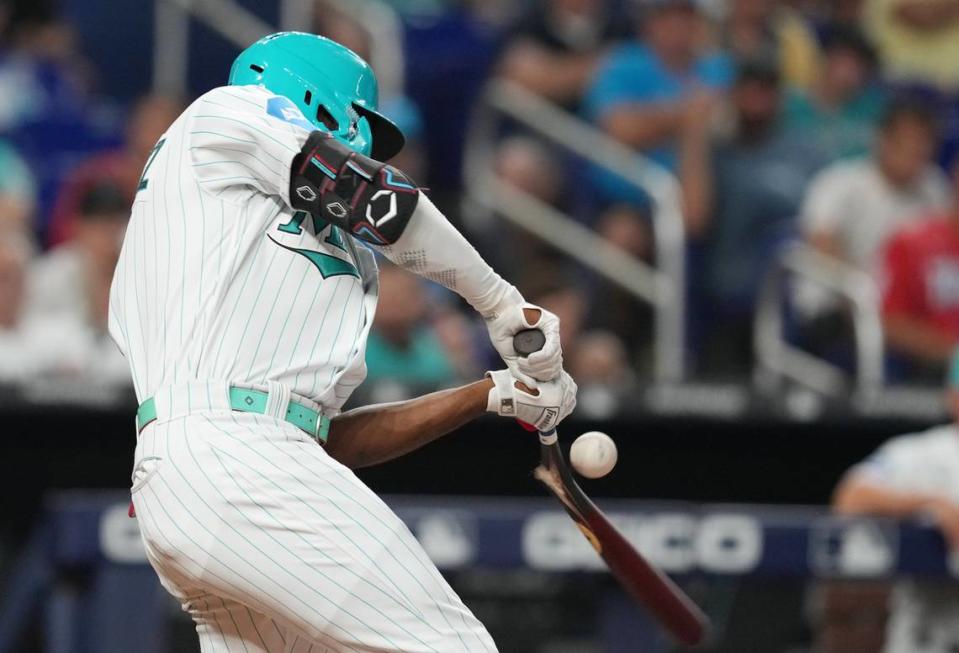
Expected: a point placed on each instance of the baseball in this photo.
(593, 454)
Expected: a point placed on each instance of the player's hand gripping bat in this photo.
(650, 587)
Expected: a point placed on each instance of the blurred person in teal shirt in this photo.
(839, 114)
(643, 89)
(403, 347)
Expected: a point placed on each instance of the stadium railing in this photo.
(776, 356)
(661, 286)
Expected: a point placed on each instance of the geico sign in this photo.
(676, 542)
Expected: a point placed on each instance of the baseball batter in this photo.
(242, 300)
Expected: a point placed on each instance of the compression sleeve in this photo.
(431, 247)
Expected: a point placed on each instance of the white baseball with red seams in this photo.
(593, 454)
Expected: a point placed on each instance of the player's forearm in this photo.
(695, 180)
(855, 496)
(375, 434)
(432, 247)
(556, 76)
(644, 127)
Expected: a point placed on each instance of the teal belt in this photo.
(245, 400)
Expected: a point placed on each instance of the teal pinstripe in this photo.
(269, 315)
(286, 321)
(228, 118)
(145, 509)
(319, 329)
(266, 165)
(230, 549)
(256, 251)
(336, 337)
(399, 596)
(338, 489)
(259, 550)
(238, 140)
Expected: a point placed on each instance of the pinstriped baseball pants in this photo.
(273, 546)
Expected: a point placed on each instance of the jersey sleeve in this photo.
(242, 140)
(894, 465)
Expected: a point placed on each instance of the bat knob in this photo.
(528, 341)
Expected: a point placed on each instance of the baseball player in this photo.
(242, 301)
(912, 475)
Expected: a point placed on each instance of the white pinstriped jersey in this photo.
(219, 279)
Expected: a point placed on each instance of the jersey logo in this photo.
(328, 265)
(283, 109)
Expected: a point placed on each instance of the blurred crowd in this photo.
(829, 123)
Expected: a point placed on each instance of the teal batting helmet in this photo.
(331, 85)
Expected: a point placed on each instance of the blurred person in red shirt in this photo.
(150, 118)
(920, 288)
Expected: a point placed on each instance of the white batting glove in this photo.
(543, 365)
(553, 402)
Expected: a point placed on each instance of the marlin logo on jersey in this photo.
(327, 264)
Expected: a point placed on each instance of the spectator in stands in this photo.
(41, 69)
(331, 21)
(15, 253)
(121, 167)
(530, 166)
(17, 190)
(920, 281)
(557, 45)
(918, 41)
(843, 105)
(851, 207)
(751, 184)
(403, 347)
(593, 326)
(643, 89)
(910, 476)
(825, 14)
(603, 372)
(72, 281)
(35, 347)
(767, 29)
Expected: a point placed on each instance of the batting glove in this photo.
(553, 401)
(543, 365)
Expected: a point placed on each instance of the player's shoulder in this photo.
(936, 441)
(255, 102)
(234, 98)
